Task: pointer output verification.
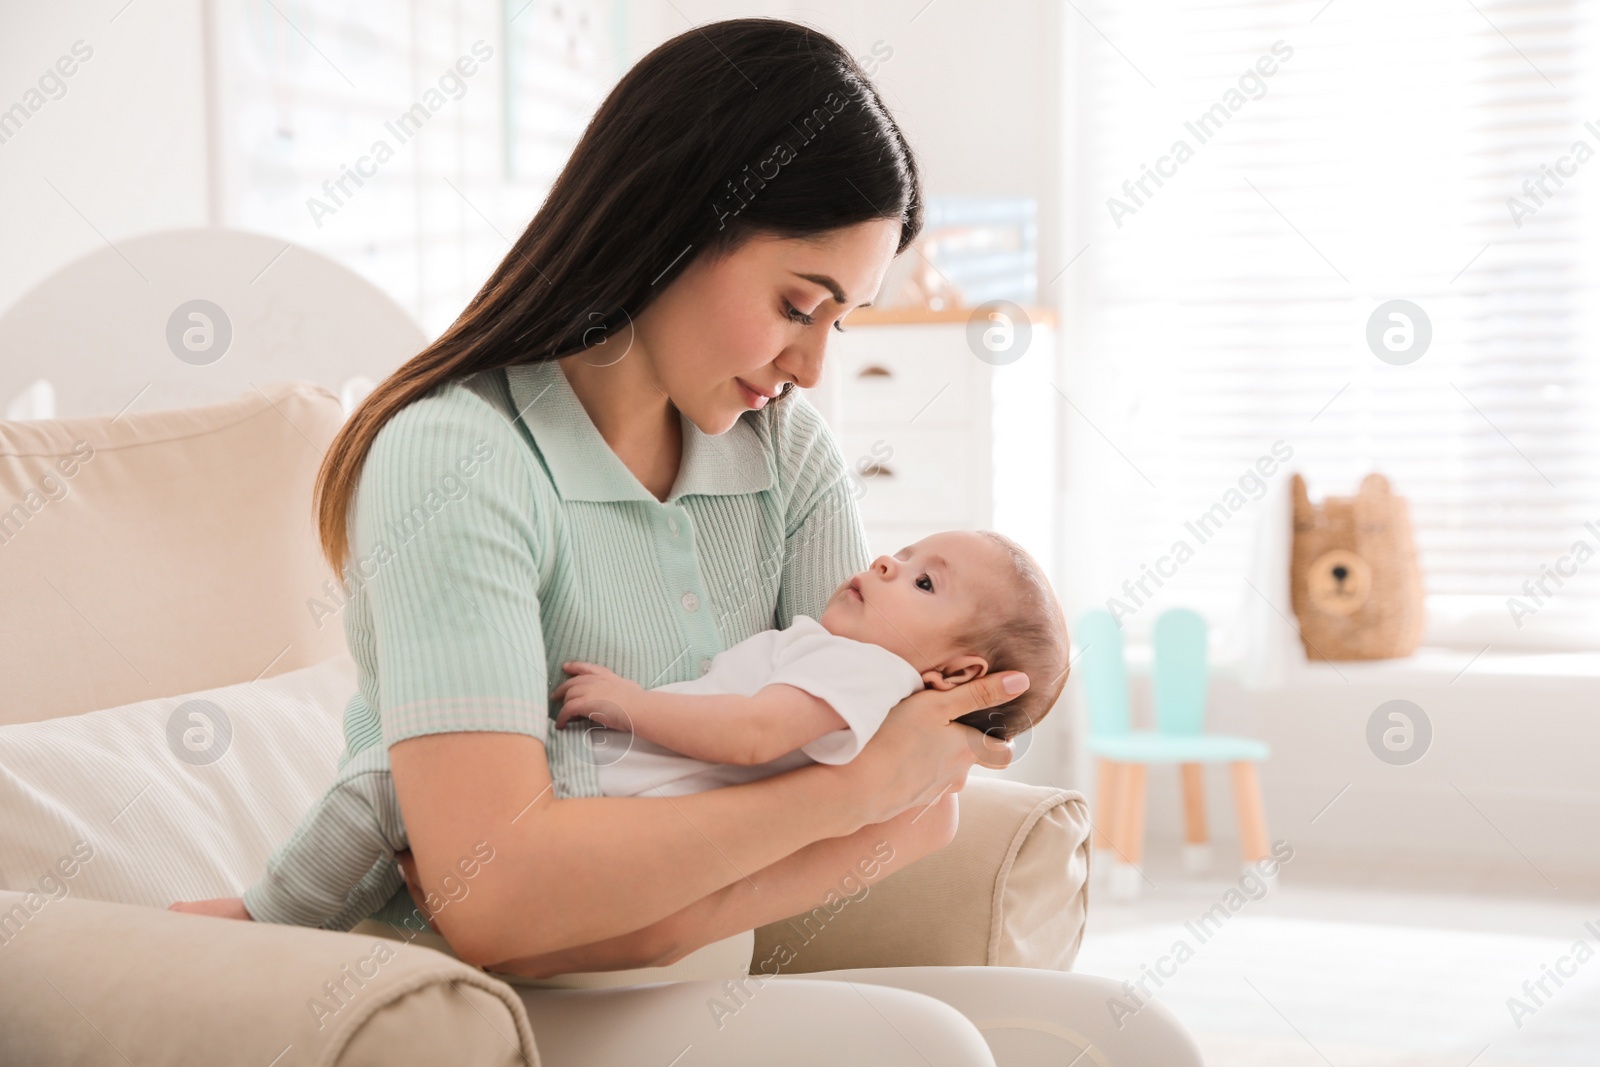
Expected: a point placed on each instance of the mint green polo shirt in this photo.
(495, 535)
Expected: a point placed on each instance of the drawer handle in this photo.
(874, 470)
(872, 370)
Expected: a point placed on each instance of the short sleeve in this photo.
(824, 542)
(446, 548)
(860, 681)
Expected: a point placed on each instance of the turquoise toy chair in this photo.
(1179, 687)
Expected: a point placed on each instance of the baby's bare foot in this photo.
(221, 907)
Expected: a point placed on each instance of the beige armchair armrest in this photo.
(91, 983)
(1011, 890)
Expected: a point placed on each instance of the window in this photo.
(1254, 180)
(411, 140)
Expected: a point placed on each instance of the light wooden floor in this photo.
(1364, 963)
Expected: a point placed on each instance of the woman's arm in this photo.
(576, 870)
(572, 871)
(840, 868)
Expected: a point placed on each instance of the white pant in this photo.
(886, 1016)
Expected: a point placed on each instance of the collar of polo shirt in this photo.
(583, 467)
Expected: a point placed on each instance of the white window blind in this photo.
(1225, 309)
(476, 104)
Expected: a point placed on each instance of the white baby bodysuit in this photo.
(860, 681)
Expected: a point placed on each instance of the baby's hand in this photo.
(596, 694)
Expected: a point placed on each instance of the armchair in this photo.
(164, 552)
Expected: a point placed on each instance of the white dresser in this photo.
(936, 437)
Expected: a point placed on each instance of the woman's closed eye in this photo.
(796, 315)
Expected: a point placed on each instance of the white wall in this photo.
(121, 152)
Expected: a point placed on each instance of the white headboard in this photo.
(120, 328)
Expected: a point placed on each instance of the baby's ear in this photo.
(959, 670)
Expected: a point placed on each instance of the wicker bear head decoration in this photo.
(1353, 575)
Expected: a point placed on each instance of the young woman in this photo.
(602, 459)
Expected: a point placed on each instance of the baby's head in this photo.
(958, 605)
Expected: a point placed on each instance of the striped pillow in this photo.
(177, 798)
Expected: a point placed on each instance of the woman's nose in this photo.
(802, 360)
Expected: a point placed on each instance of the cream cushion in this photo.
(178, 798)
(1012, 890)
(126, 805)
(161, 552)
(105, 985)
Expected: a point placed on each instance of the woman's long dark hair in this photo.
(729, 129)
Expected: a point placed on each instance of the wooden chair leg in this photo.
(1196, 846)
(1252, 814)
(1105, 816)
(1130, 813)
(1194, 803)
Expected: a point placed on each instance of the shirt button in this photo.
(705, 666)
(672, 525)
(691, 602)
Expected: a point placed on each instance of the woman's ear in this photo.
(959, 670)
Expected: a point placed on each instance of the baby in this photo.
(949, 608)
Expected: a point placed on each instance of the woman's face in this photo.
(731, 331)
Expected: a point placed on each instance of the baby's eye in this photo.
(925, 584)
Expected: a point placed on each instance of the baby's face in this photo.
(919, 601)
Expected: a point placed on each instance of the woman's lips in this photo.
(753, 398)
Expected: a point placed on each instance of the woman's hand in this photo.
(593, 692)
(219, 907)
(919, 754)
